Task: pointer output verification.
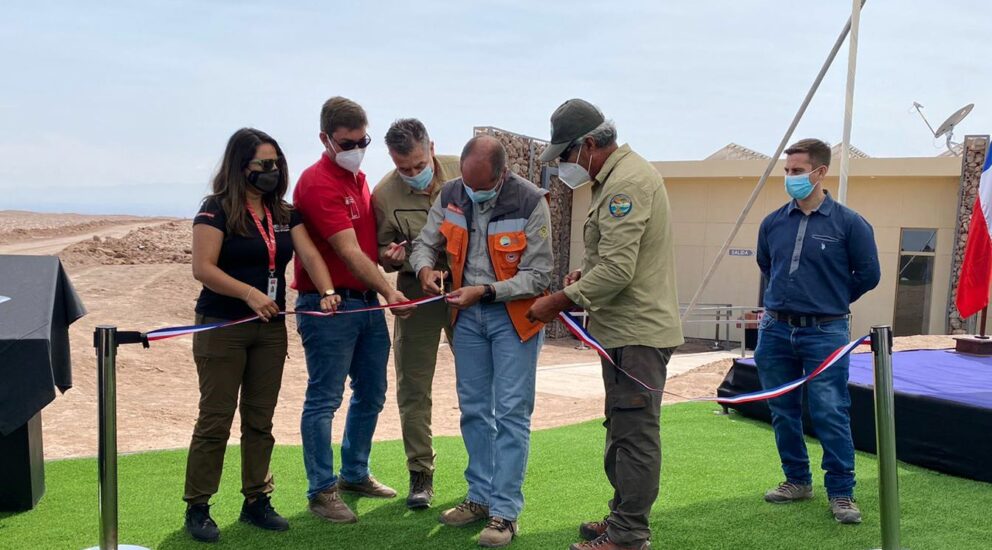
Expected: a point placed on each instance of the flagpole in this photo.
(985, 314)
(852, 63)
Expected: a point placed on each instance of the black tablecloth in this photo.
(34, 335)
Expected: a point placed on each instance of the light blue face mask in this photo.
(422, 180)
(481, 196)
(798, 186)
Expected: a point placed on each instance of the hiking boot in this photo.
(498, 532)
(603, 542)
(369, 487)
(200, 525)
(260, 513)
(328, 505)
(465, 513)
(789, 492)
(593, 529)
(421, 490)
(845, 510)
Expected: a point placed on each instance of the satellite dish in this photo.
(947, 128)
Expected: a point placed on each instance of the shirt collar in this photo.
(611, 163)
(825, 208)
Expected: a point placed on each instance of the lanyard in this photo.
(269, 238)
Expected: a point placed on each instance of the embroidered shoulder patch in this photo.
(620, 205)
(543, 232)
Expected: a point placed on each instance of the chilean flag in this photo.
(976, 271)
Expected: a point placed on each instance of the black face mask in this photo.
(266, 182)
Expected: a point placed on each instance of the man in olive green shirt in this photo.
(401, 201)
(627, 285)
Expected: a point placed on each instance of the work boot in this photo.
(369, 487)
(603, 542)
(421, 490)
(260, 513)
(593, 529)
(465, 513)
(200, 525)
(328, 505)
(845, 510)
(498, 532)
(789, 492)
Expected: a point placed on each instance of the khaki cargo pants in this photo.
(245, 359)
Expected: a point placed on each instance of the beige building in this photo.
(911, 202)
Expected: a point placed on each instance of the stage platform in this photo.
(943, 406)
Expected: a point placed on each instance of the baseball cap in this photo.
(572, 120)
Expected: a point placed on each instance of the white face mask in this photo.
(572, 174)
(349, 160)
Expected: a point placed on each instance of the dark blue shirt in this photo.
(817, 264)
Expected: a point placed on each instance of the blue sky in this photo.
(138, 99)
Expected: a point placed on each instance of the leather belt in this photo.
(799, 320)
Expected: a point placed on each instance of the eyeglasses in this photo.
(348, 145)
(563, 157)
(267, 165)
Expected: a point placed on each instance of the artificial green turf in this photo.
(715, 471)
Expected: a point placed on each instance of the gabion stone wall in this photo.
(523, 158)
(975, 148)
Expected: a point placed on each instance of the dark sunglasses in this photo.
(348, 145)
(267, 165)
(563, 157)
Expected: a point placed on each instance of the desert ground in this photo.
(135, 273)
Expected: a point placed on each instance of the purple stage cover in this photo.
(943, 406)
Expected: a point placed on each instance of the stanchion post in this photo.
(105, 341)
(885, 437)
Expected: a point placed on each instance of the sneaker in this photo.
(260, 513)
(498, 532)
(328, 505)
(369, 487)
(200, 525)
(465, 513)
(845, 510)
(593, 529)
(421, 490)
(789, 492)
(603, 542)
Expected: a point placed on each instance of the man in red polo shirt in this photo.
(333, 199)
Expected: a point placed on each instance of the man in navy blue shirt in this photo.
(818, 257)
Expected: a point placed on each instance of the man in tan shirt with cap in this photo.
(627, 285)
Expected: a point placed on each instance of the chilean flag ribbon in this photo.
(172, 332)
(976, 269)
(583, 335)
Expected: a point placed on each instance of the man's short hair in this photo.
(497, 155)
(341, 112)
(818, 151)
(405, 134)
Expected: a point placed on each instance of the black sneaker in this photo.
(200, 525)
(260, 513)
(421, 490)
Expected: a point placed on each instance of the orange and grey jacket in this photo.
(504, 242)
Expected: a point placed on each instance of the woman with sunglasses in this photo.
(243, 238)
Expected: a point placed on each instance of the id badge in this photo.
(273, 287)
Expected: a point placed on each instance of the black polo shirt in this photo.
(246, 259)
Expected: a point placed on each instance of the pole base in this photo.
(122, 547)
(973, 345)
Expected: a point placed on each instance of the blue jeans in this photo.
(785, 353)
(355, 346)
(496, 373)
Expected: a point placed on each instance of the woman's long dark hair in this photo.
(230, 184)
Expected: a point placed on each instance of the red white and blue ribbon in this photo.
(172, 332)
(583, 335)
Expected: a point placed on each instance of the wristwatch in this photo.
(489, 295)
(328, 292)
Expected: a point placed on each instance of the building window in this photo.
(917, 250)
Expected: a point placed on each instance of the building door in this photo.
(914, 282)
